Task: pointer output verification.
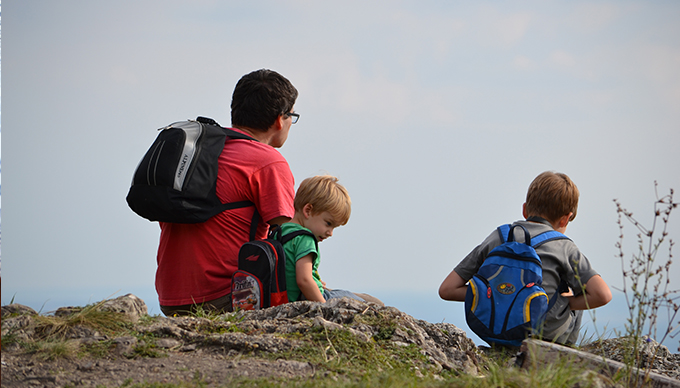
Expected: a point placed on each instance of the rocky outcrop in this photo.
(446, 346)
(652, 355)
(535, 353)
(244, 342)
(136, 348)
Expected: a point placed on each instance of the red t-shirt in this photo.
(196, 261)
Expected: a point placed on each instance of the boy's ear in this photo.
(307, 210)
(524, 211)
(564, 220)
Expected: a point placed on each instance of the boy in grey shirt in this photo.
(552, 201)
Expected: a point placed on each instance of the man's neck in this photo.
(260, 136)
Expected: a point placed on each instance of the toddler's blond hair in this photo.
(325, 194)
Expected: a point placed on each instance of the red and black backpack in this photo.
(260, 280)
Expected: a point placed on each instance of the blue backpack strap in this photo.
(544, 237)
(538, 241)
(503, 232)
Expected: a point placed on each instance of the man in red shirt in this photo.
(196, 261)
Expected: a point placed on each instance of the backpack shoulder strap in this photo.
(236, 135)
(545, 237)
(287, 237)
(507, 235)
(207, 120)
(253, 222)
(539, 240)
(503, 232)
(234, 205)
(230, 132)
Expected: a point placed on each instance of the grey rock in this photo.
(130, 305)
(167, 343)
(125, 346)
(19, 324)
(245, 342)
(67, 311)
(653, 355)
(16, 309)
(447, 345)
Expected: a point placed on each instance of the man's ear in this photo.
(278, 123)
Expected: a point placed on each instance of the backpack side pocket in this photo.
(246, 291)
(479, 307)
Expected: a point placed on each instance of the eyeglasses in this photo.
(294, 116)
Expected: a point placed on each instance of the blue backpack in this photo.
(505, 300)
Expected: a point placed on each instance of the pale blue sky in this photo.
(435, 115)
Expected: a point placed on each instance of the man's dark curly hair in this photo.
(259, 98)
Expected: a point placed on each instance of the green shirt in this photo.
(296, 249)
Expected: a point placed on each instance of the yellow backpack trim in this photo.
(527, 304)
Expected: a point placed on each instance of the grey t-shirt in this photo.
(561, 260)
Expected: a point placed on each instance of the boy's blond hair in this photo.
(552, 195)
(325, 194)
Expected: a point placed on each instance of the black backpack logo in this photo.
(177, 177)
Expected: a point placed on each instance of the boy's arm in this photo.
(595, 294)
(453, 288)
(305, 280)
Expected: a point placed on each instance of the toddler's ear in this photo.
(307, 210)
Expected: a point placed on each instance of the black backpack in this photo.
(260, 280)
(176, 179)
